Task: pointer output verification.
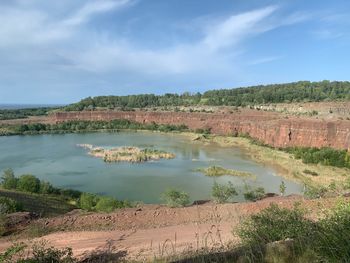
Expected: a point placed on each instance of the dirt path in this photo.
(155, 231)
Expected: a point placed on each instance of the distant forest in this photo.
(302, 91)
(9, 114)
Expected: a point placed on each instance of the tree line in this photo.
(302, 91)
(8, 114)
(86, 126)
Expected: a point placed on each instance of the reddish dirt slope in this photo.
(269, 127)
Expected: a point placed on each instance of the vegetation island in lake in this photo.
(127, 154)
(219, 171)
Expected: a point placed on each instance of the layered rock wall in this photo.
(271, 128)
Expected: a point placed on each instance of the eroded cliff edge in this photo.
(271, 128)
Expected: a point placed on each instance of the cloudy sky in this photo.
(62, 51)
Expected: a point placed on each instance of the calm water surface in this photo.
(57, 159)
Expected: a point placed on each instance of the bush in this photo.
(314, 192)
(274, 224)
(70, 193)
(331, 241)
(107, 204)
(51, 254)
(87, 201)
(325, 156)
(8, 179)
(8, 205)
(46, 188)
(40, 254)
(222, 193)
(15, 251)
(28, 183)
(282, 188)
(175, 198)
(254, 194)
(3, 226)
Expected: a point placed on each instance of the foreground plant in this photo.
(40, 254)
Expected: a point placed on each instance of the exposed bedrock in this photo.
(271, 128)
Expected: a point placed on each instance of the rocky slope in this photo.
(271, 128)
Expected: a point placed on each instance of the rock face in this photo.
(271, 128)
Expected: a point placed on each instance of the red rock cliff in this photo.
(270, 128)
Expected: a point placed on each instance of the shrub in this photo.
(274, 224)
(175, 198)
(107, 204)
(3, 226)
(254, 194)
(46, 188)
(8, 179)
(325, 156)
(8, 205)
(314, 192)
(282, 188)
(331, 241)
(43, 254)
(28, 183)
(40, 254)
(222, 193)
(15, 251)
(87, 201)
(70, 193)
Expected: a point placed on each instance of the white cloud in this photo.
(56, 40)
(29, 25)
(236, 28)
(93, 8)
(203, 55)
(265, 60)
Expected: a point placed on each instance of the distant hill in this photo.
(302, 91)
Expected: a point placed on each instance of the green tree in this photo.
(221, 193)
(283, 188)
(107, 204)
(28, 183)
(88, 201)
(8, 179)
(46, 188)
(8, 205)
(254, 194)
(175, 198)
(274, 224)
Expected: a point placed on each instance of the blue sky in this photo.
(62, 51)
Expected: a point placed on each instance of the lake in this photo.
(57, 159)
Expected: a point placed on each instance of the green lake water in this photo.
(57, 159)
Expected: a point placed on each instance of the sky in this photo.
(58, 52)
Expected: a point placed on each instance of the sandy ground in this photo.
(157, 231)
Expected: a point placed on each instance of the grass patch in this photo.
(219, 171)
